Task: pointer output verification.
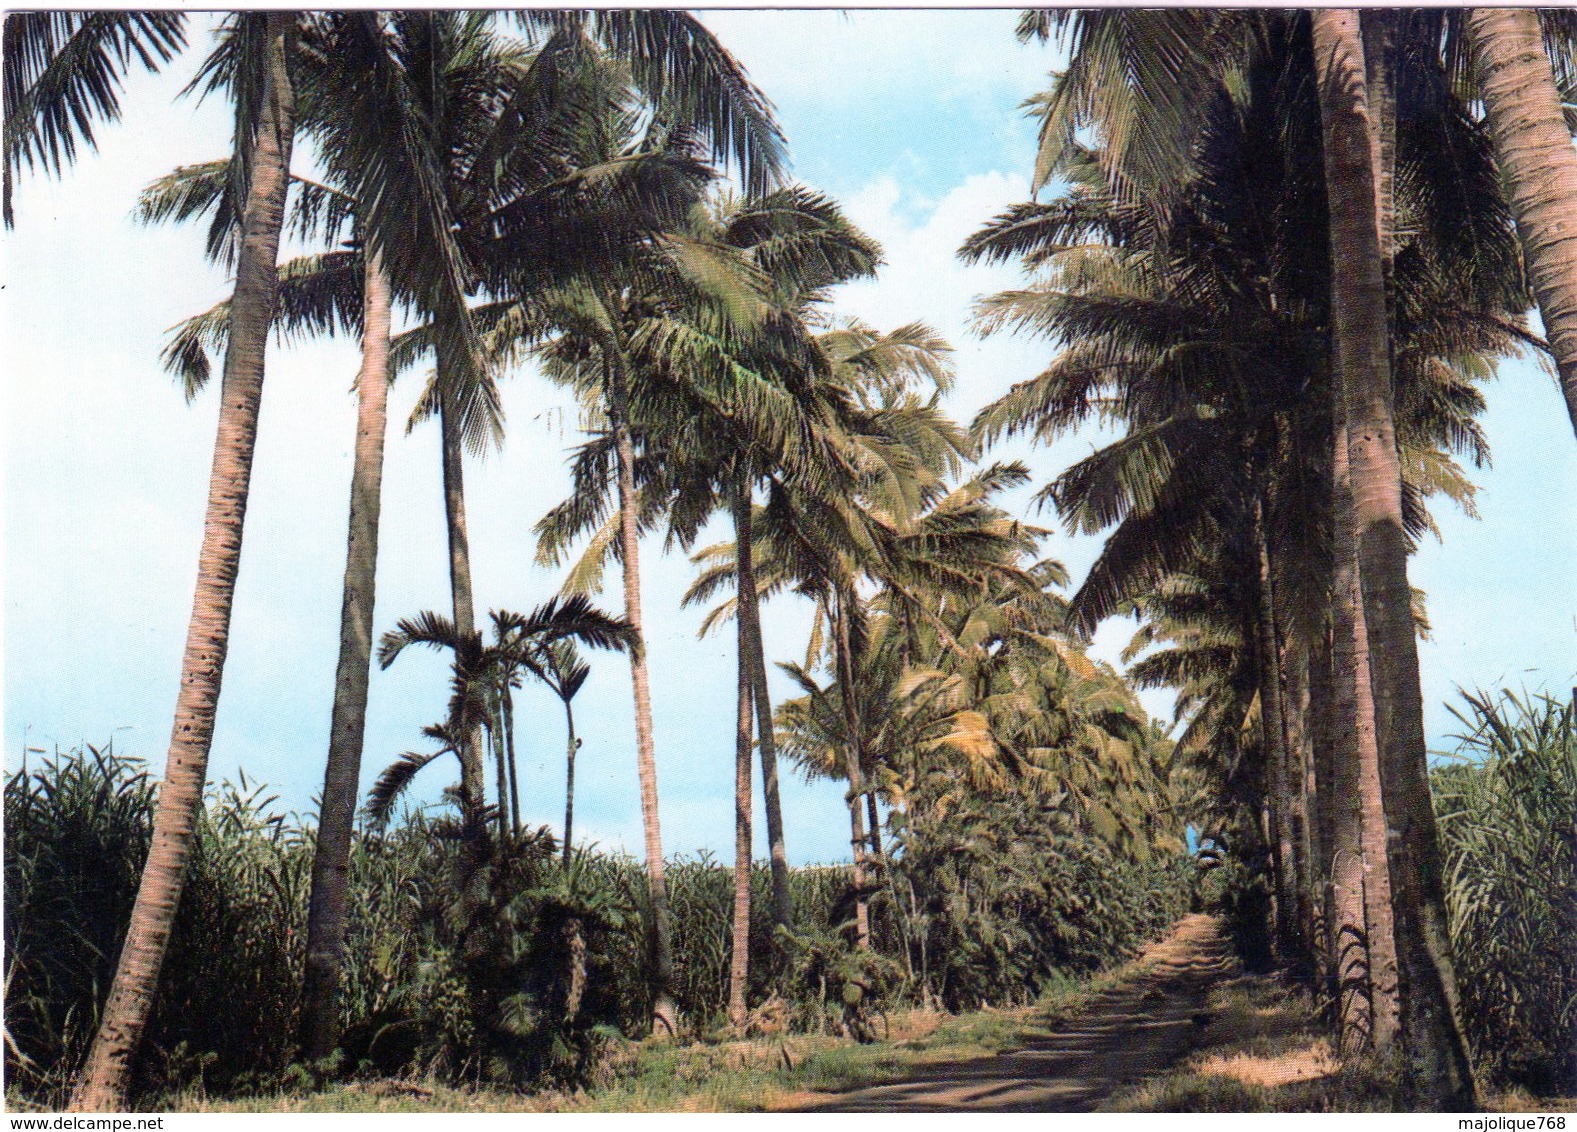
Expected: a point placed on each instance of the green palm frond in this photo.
(63, 72)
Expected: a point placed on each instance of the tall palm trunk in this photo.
(508, 705)
(103, 1082)
(473, 770)
(569, 780)
(1273, 727)
(498, 740)
(852, 760)
(1301, 771)
(1322, 732)
(326, 910)
(1431, 1028)
(665, 1012)
(739, 964)
(1378, 29)
(873, 817)
(1363, 929)
(750, 625)
(1534, 152)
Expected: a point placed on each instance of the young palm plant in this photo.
(477, 671)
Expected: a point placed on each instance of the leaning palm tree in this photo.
(1512, 49)
(255, 57)
(317, 293)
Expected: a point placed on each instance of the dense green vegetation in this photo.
(1508, 818)
(485, 999)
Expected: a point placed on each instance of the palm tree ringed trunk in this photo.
(1534, 151)
(326, 910)
(750, 624)
(473, 771)
(1322, 732)
(1273, 726)
(498, 740)
(665, 1012)
(1361, 910)
(851, 715)
(569, 780)
(1384, 976)
(739, 959)
(1431, 1028)
(102, 1085)
(509, 747)
(1295, 663)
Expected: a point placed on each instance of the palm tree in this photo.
(315, 295)
(478, 669)
(1533, 146)
(562, 669)
(486, 147)
(63, 71)
(1101, 303)
(690, 80)
(1361, 347)
(741, 373)
(342, 774)
(265, 135)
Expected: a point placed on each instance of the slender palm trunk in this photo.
(1301, 771)
(665, 1013)
(1430, 1024)
(497, 739)
(473, 770)
(327, 908)
(569, 781)
(873, 815)
(750, 623)
(1322, 730)
(102, 1085)
(739, 964)
(1273, 727)
(1534, 152)
(852, 760)
(1363, 930)
(1378, 29)
(509, 748)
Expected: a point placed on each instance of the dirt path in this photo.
(1135, 1030)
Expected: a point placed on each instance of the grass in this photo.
(726, 1076)
(1266, 1051)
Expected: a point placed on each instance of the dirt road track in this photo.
(1123, 1035)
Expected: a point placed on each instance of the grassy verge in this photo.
(727, 1076)
(1266, 1051)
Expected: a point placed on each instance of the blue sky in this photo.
(910, 118)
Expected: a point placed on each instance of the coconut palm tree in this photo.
(264, 44)
(342, 771)
(1115, 281)
(689, 80)
(316, 295)
(1361, 347)
(1512, 50)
